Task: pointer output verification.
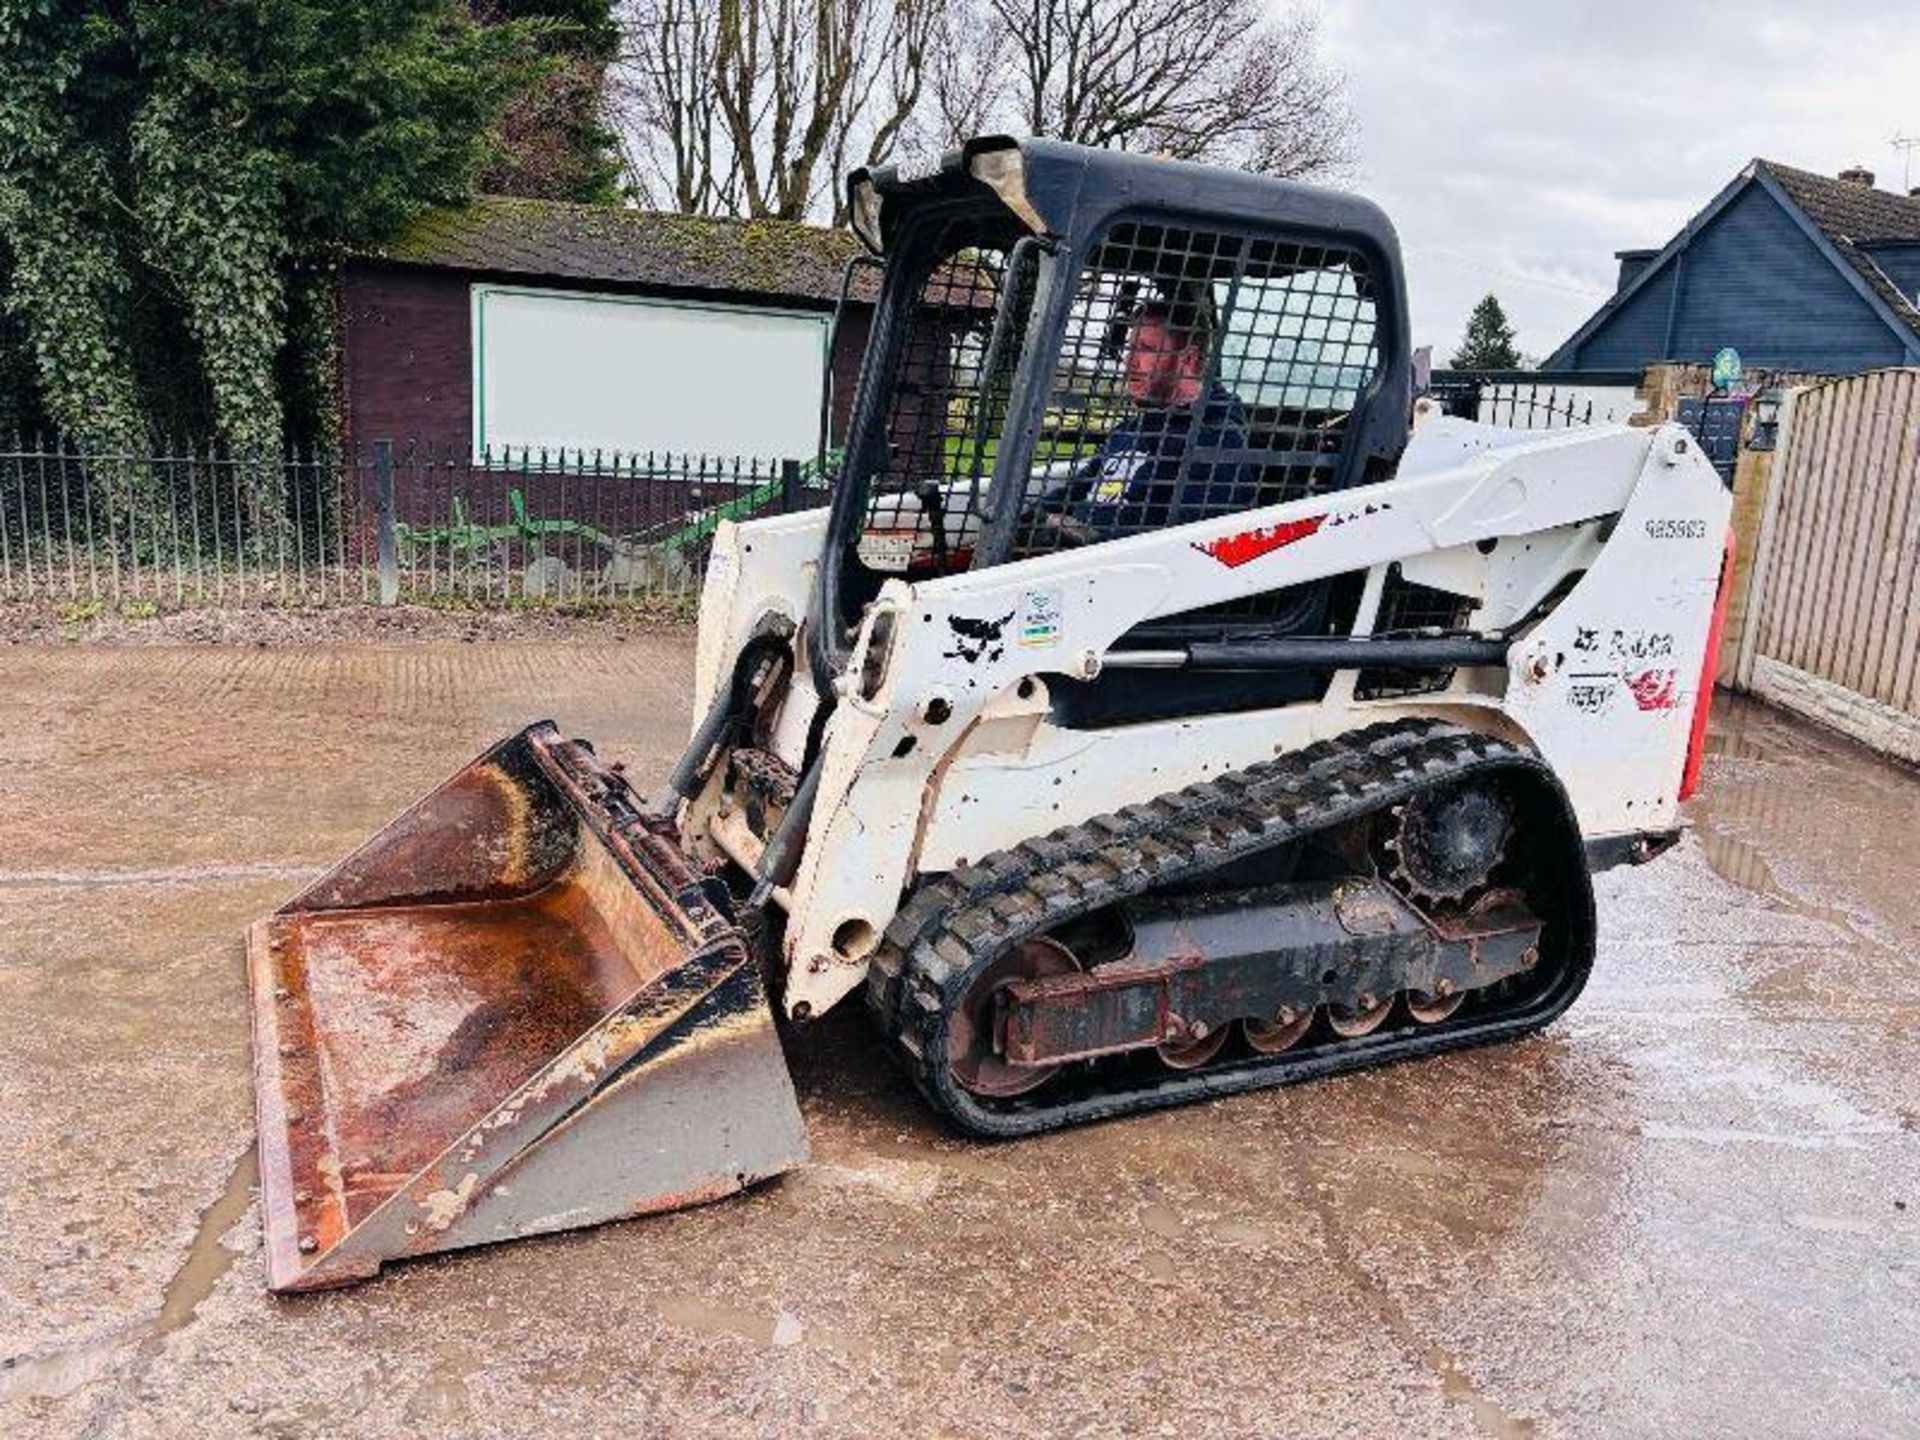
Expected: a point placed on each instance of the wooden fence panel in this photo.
(1834, 618)
(1882, 536)
(1900, 649)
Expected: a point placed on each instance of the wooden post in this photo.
(1779, 476)
(383, 522)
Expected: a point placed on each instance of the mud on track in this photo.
(1691, 1208)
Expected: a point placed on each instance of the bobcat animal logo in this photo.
(975, 640)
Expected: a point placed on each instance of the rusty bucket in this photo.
(517, 1009)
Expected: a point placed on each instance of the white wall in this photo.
(565, 370)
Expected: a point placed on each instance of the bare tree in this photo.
(759, 107)
(755, 107)
(1222, 81)
(663, 106)
(969, 70)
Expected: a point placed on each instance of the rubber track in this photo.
(953, 926)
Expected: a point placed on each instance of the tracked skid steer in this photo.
(1166, 705)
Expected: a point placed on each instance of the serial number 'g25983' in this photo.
(1676, 529)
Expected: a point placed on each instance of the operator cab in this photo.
(1005, 406)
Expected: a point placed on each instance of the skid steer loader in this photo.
(1165, 706)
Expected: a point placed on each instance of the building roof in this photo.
(1855, 217)
(612, 245)
(1847, 219)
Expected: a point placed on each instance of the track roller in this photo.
(1432, 1009)
(1350, 1022)
(1283, 1032)
(1195, 1053)
(970, 1040)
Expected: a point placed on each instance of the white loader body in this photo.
(946, 752)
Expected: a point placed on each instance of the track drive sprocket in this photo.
(1443, 844)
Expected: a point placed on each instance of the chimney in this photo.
(1632, 262)
(1858, 175)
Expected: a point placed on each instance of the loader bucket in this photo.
(517, 1009)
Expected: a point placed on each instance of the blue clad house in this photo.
(1794, 270)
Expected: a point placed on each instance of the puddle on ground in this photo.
(1458, 1387)
(440, 1401)
(1456, 1384)
(1232, 1232)
(1842, 859)
(1740, 862)
(1736, 861)
(778, 1331)
(208, 1259)
(59, 1373)
(1162, 1220)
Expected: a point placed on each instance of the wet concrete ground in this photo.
(1691, 1208)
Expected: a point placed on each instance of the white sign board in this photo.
(567, 371)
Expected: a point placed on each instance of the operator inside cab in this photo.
(1170, 459)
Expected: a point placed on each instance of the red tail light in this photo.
(1703, 697)
(927, 565)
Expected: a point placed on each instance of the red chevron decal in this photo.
(1234, 551)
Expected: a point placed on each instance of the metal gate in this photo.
(1835, 623)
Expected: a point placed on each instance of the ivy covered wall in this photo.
(177, 180)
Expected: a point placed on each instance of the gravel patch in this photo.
(348, 624)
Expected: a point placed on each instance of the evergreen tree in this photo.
(555, 144)
(1488, 344)
(174, 176)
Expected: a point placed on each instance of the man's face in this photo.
(1164, 367)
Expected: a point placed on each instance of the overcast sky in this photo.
(1517, 146)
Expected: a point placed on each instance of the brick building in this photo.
(512, 325)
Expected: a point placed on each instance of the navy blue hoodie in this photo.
(1133, 483)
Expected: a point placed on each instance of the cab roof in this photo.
(1064, 191)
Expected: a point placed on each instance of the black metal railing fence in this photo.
(175, 525)
(1527, 399)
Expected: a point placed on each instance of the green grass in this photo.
(957, 453)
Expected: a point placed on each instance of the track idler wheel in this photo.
(971, 1034)
(1283, 1032)
(1350, 1022)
